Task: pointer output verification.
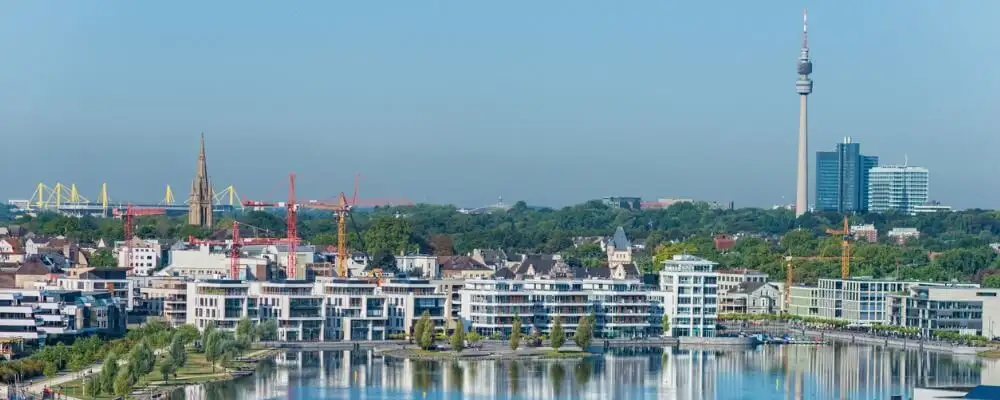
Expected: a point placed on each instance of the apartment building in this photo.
(857, 300)
(336, 309)
(110, 280)
(165, 299)
(145, 256)
(622, 308)
(730, 279)
(298, 310)
(37, 315)
(418, 266)
(689, 291)
(353, 310)
(965, 309)
(408, 300)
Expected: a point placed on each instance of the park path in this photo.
(37, 387)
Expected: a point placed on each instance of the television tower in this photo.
(804, 87)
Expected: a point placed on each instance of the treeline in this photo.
(957, 241)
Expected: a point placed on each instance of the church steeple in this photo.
(200, 202)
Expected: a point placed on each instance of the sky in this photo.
(552, 102)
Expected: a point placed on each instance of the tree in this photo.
(557, 336)
(473, 337)
(584, 333)
(167, 367)
(205, 334)
(109, 371)
(666, 325)
(103, 258)
(515, 333)
(442, 245)
(177, 352)
(992, 281)
(423, 325)
(458, 338)
(93, 386)
(123, 382)
(51, 370)
(244, 329)
(187, 332)
(267, 330)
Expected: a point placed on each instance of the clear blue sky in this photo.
(553, 102)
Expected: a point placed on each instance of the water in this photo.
(839, 371)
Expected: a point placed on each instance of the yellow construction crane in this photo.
(845, 248)
(790, 274)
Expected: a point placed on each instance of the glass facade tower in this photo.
(842, 178)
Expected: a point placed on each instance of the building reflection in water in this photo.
(771, 372)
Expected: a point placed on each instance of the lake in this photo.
(839, 371)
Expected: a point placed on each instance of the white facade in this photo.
(339, 309)
(10, 251)
(897, 188)
(123, 289)
(203, 263)
(623, 309)
(418, 266)
(690, 290)
(146, 256)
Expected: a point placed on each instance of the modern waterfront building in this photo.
(165, 299)
(842, 178)
(622, 308)
(110, 280)
(898, 188)
(337, 309)
(37, 315)
(965, 309)
(858, 300)
(689, 289)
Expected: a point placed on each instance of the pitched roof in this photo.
(631, 271)
(14, 244)
(749, 287)
(460, 263)
(8, 280)
(504, 273)
(620, 241)
(33, 266)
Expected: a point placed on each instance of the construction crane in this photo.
(845, 247)
(291, 238)
(342, 211)
(127, 216)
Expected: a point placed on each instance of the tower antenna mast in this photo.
(803, 86)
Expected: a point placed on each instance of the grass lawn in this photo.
(195, 370)
(989, 354)
(565, 354)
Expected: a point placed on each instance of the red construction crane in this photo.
(292, 238)
(131, 212)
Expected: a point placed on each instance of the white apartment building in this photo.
(354, 311)
(730, 279)
(35, 315)
(206, 263)
(963, 309)
(689, 288)
(145, 258)
(622, 308)
(408, 300)
(898, 188)
(337, 309)
(902, 235)
(418, 266)
(113, 281)
(165, 298)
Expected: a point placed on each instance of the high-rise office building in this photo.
(842, 178)
(898, 188)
